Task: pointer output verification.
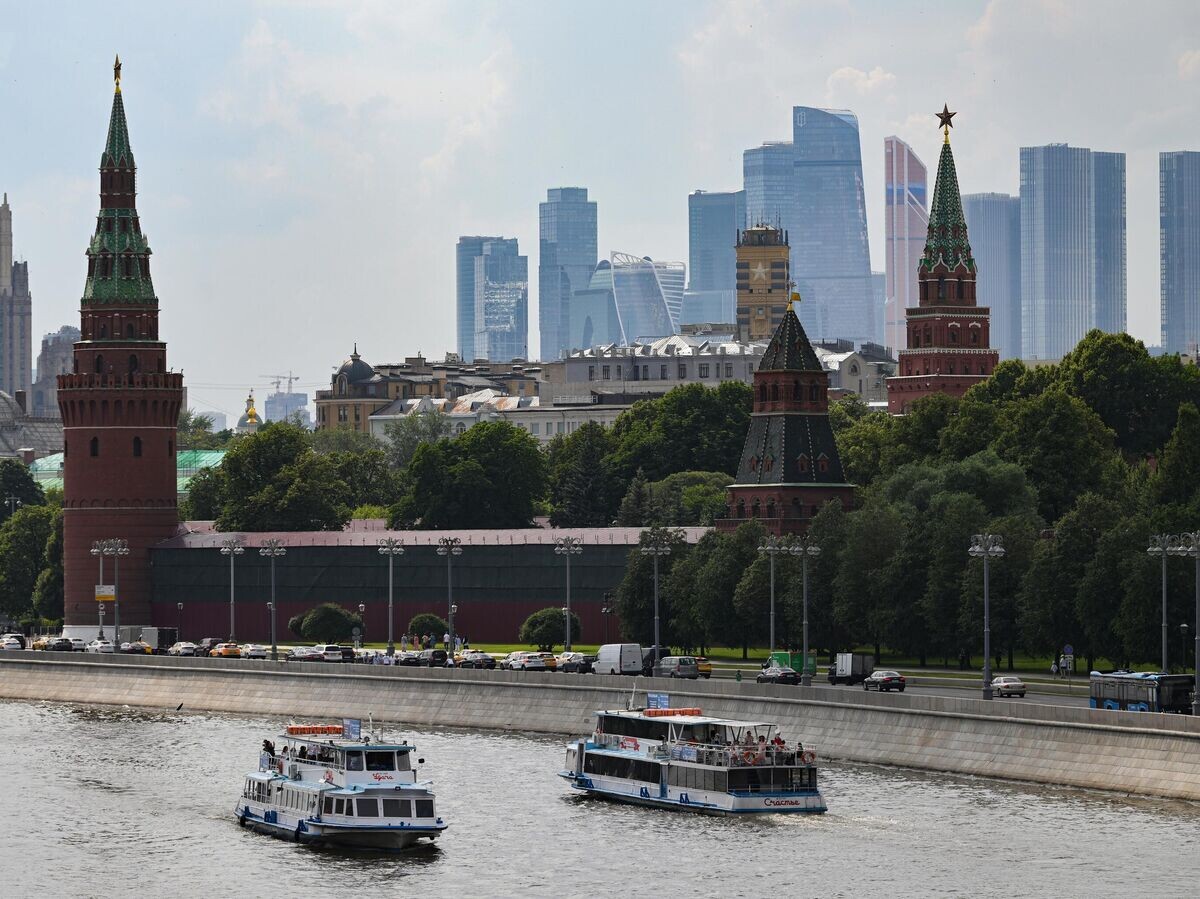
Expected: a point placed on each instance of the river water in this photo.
(118, 802)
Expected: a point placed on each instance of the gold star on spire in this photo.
(944, 118)
(117, 73)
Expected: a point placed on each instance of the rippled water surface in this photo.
(122, 802)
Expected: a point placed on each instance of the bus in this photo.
(1142, 691)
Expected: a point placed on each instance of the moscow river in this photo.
(118, 802)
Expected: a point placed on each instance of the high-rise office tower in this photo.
(822, 206)
(501, 301)
(468, 249)
(1179, 250)
(567, 227)
(947, 336)
(905, 224)
(16, 313)
(764, 290)
(714, 220)
(994, 222)
(1072, 247)
(647, 296)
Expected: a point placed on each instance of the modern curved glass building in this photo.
(648, 296)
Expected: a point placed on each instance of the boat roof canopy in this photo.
(349, 744)
(683, 719)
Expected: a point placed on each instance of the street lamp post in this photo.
(117, 549)
(567, 547)
(806, 548)
(179, 621)
(450, 547)
(1189, 545)
(100, 606)
(606, 610)
(772, 546)
(97, 550)
(14, 503)
(1183, 629)
(272, 549)
(233, 548)
(656, 546)
(987, 547)
(391, 547)
(1163, 545)
(362, 629)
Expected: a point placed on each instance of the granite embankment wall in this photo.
(1156, 755)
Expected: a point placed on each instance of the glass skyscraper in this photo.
(1072, 247)
(501, 301)
(467, 250)
(994, 223)
(813, 189)
(906, 224)
(567, 223)
(1179, 250)
(648, 296)
(714, 220)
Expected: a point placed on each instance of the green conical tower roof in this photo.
(118, 253)
(947, 242)
(789, 349)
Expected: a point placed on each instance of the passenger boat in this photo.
(684, 759)
(321, 787)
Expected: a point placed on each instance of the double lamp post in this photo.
(806, 548)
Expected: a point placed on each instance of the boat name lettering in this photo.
(784, 802)
(379, 776)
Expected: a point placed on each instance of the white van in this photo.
(618, 658)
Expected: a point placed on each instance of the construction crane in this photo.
(279, 379)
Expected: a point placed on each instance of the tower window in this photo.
(133, 363)
(129, 330)
(128, 260)
(812, 393)
(137, 446)
(95, 446)
(99, 365)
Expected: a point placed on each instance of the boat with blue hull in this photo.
(322, 788)
(686, 760)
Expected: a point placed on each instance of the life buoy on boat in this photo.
(748, 757)
(808, 756)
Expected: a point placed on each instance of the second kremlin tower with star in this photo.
(948, 333)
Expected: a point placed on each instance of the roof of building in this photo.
(947, 243)
(19, 430)
(487, 400)
(789, 349)
(355, 369)
(201, 535)
(117, 151)
(674, 345)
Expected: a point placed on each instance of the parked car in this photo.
(408, 657)
(100, 646)
(182, 648)
(61, 644)
(1008, 686)
(254, 651)
(329, 652)
(42, 642)
(348, 654)
(527, 661)
(575, 663)
(778, 674)
(206, 646)
(306, 654)
(226, 651)
(432, 658)
(10, 642)
(20, 638)
(882, 680)
(704, 666)
(550, 659)
(618, 658)
(473, 658)
(137, 647)
(648, 658)
(679, 666)
(78, 644)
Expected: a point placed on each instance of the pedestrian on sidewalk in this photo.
(1054, 669)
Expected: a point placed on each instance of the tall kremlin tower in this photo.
(119, 406)
(948, 335)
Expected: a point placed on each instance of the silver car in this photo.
(1008, 686)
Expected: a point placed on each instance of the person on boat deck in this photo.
(269, 748)
(778, 742)
(303, 752)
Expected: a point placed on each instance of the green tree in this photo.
(194, 431)
(23, 540)
(952, 519)
(206, 495)
(634, 511)
(635, 594)
(544, 628)
(339, 440)
(404, 435)
(703, 587)
(329, 623)
(584, 492)
(368, 477)
(688, 498)
(428, 623)
(867, 447)
(17, 485)
(1177, 479)
(48, 590)
(491, 476)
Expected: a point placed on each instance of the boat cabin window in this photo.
(354, 761)
(328, 809)
(624, 767)
(339, 806)
(645, 728)
(367, 808)
(424, 808)
(397, 808)
(381, 761)
(698, 779)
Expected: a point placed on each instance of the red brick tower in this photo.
(790, 465)
(120, 405)
(948, 335)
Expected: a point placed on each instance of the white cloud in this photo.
(849, 80)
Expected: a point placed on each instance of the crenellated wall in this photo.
(1153, 755)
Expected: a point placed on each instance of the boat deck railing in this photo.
(719, 755)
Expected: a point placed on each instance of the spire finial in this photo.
(355, 353)
(117, 73)
(944, 118)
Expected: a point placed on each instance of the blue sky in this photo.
(306, 167)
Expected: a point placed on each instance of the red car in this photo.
(884, 680)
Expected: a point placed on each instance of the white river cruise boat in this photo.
(322, 787)
(684, 759)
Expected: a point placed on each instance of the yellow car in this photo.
(551, 660)
(41, 642)
(227, 650)
(704, 666)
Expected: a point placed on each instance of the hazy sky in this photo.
(305, 168)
